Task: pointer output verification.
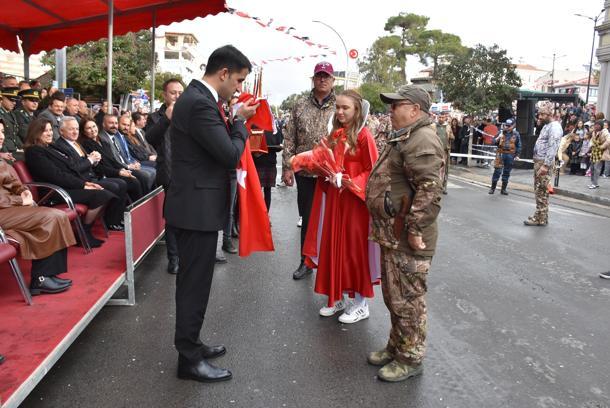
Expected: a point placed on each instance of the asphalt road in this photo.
(518, 317)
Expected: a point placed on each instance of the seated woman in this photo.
(48, 165)
(43, 233)
(89, 139)
(138, 149)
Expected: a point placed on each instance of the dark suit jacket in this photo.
(203, 152)
(81, 164)
(108, 166)
(50, 165)
(157, 134)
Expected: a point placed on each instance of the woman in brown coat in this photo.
(43, 233)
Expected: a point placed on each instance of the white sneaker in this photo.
(300, 222)
(329, 311)
(593, 186)
(355, 313)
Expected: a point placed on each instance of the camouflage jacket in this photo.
(409, 168)
(12, 141)
(445, 133)
(308, 124)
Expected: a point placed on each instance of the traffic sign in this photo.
(353, 53)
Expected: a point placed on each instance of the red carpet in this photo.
(28, 334)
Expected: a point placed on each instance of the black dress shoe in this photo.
(201, 371)
(1, 359)
(301, 272)
(172, 266)
(60, 280)
(212, 351)
(116, 227)
(228, 246)
(46, 285)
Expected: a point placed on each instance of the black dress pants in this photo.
(197, 251)
(306, 187)
(116, 207)
(52, 265)
(134, 189)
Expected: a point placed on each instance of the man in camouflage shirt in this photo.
(545, 151)
(308, 124)
(403, 196)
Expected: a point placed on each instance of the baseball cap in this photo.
(411, 93)
(324, 66)
(509, 122)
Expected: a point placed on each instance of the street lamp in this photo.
(594, 19)
(344, 47)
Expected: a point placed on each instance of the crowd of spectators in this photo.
(103, 162)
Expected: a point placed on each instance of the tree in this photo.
(435, 45)
(381, 65)
(288, 103)
(479, 80)
(409, 28)
(370, 91)
(86, 64)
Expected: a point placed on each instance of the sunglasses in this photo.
(396, 105)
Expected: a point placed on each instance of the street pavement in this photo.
(518, 317)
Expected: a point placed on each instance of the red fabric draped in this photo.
(254, 226)
(337, 234)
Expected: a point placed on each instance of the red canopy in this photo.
(49, 24)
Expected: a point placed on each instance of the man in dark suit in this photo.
(205, 147)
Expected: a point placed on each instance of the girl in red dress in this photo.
(337, 234)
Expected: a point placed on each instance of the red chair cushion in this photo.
(71, 213)
(7, 252)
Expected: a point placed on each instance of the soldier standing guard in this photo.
(509, 148)
(29, 104)
(444, 132)
(545, 151)
(403, 196)
(12, 142)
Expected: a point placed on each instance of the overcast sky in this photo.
(531, 31)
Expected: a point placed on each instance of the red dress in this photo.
(338, 229)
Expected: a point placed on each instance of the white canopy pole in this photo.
(109, 71)
(151, 99)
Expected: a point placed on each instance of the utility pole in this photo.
(554, 57)
(594, 19)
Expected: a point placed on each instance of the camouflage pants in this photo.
(446, 173)
(403, 283)
(541, 192)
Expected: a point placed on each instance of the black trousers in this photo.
(197, 251)
(116, 207)
(134, 188)
(171, 242)
(51, 265)
(306, 187)
(146, 179)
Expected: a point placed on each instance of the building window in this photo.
(187, 56)
(172, 55)
(171, 42)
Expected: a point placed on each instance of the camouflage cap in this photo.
(547, 107)
(411, 93)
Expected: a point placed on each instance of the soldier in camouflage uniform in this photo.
(545, 151)
(509, 148)
(24, 115)
(308, 124)
(444, 132)
(12, 142)
(403, 196)
(383, 130)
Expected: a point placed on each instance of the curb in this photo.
(522, 187)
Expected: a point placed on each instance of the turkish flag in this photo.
(263, 118)
(254, 226)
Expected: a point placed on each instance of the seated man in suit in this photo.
(122, 136)
(55, 112)
(110, 137)
(85, 164)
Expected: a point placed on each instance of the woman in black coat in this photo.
(108, 166)
(47, 165)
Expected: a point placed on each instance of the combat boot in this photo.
(379, 358)
(493, 187)
(396, 371)
(503, 190)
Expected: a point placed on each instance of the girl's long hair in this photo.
(352, 129)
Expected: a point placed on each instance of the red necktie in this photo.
(222, 113)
